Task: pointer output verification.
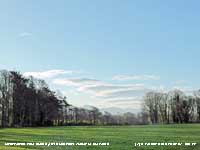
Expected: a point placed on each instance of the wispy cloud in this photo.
(104, 90)
(49, 73)
(135, 77)
(25, 34)
(107, 94)
(78, 82)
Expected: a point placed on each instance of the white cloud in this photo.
(25, 34)
(104, 91)
(135, 77)
(107, 94)
(79, 82)
(103, 88)
(134, 98)
(48, 74)
(132, 92)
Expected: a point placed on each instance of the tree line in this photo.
(172, 107)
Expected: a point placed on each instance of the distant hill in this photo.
(116, 110)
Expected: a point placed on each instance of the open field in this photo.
(119, 137)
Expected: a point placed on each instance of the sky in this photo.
(103, 53)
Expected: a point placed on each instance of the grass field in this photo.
(119, 137)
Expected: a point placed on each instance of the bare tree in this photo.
(6, 100)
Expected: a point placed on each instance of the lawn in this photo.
(119, 137)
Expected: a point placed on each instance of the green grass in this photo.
(119, 137)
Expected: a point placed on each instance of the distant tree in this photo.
(6, 100)
(197, 100)
(21, 99)
(177, 98)
(152, 104)
(95, 113)
(107, 118)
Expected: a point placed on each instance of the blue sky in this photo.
(149, 44)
